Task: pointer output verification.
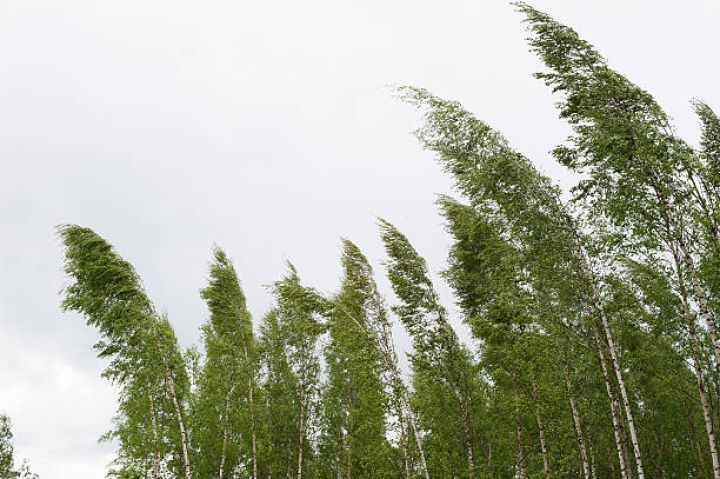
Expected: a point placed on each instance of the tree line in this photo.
(593, 315)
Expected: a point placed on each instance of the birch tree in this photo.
(441, 365)
(354, 439)
(291, 336)
(143, 354)
(225, 425)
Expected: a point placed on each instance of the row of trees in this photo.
(594, 320)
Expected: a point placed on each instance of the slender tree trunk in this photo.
(301, 437)
(702, 299)
(687, 258)
(695, 353)
(522, 462)
(697, 366)
(543, 446)
(223, 452)
(403, 439)
(467, 430)
(590, 447)
(351, 406)
(614, 408)
(181, 425)
(541, 430)
(404, 404)
(251, 387)
(578, 426)
(170, 384)
(157, 474)
(401, 391)
(418, 441)
(618, 371)
(338, 458)
(698, 449)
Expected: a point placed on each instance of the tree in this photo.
(225, 425)
(442, 367)
(354, 438)
(8, 469)
(144, 358)
(292, 366)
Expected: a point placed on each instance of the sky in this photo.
(269, 128)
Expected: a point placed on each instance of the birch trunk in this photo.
(351, 406)
(251, 402)
(697, 366)
(418, 442)
(614, 407)
(404, 441)
(590, 447)
(181, 423)
(701, 297)
(541, 430)
(467, 430)
(522, 462)
(223, 453)
(301, 437)
(578, 426)
(616, 367)
(153, 420)
(695, 353)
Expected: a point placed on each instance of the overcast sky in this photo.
(268, 128)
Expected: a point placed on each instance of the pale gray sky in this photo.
(266, 127)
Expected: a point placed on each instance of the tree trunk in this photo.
(223, 453)
(157, 474)
(301, 437)
(578, 426)
(181, 423)
(589, 272)
(382, 339)
(697, 366)
(351, 406)
(467, 430)
(522, 462)
(695, 353)
(403, 439)
(618, 371)
(614, 407)
(541, 430)
(251, 387)
(701, 297)
(418, 441)
(590, 446)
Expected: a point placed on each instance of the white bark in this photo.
(616, 367)
(223, 454)
(301, 437)
(181, 423)
(614, 407)
(522, 462)
(251, 402)
(578, 426)
(697, 367)
(157, 474)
